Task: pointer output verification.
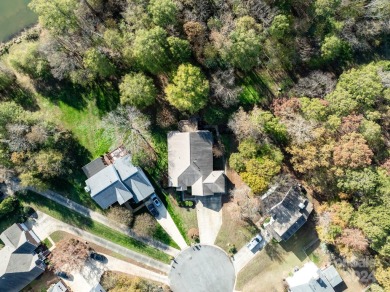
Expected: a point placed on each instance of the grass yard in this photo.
(276, 262)
(48, 243)
(68, 216)
(184, 217)
(161, 235)
(234, 231)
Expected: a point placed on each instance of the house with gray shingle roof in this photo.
(113, 178)
(190, 163)
(288, 210)
(20, 264)
(312, 279)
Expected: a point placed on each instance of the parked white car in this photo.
(254, 242)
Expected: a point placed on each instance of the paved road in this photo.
(114, 225)
(170, 227)
(202, 268)
(46, 225)
(209, 213)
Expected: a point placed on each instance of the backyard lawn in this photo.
(68, 216)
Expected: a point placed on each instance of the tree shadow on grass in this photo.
(64, 91)
(105, 94)
(272, 250)
(21, 96)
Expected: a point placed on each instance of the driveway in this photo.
(209, 214)
(169, 226)
(87, 278)
(244, 255)
(46, 225)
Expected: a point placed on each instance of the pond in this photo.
(14, 16)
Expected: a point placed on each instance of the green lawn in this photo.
(84, 121)
(161, 235)
(68, 216)
(48, 243)
(182, 221)
(79, 111)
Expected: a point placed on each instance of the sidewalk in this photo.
(104, 220)
(46, 225)
(114, 264)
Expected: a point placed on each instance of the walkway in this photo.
(209, 214)
(46, 225)
(105, 221)
(170, 227)
(114, 264)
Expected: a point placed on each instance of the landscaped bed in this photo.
(70, 217)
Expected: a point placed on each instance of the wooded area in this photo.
(302, 86)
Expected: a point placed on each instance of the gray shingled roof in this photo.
(190, 163)
(287, 215)
(140, 185)
(19, 264)
(93, 167)
(332, 275)
(311, 279)
(119, 182)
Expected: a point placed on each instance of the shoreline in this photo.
(29, 32)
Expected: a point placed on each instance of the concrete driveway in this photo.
(87, 278)
(209, 214)
(244, 255)
(169, 226)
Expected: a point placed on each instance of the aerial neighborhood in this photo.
(195, 146)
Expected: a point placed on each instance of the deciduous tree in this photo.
(137, 90)
(150, 49)
(352, 151)
(69, 255)
(121, 215)
(189, 89)
(164, 12)
(244, 47)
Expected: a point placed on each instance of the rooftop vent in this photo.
(301, 206)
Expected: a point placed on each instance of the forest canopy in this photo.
(298, 87)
